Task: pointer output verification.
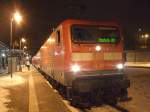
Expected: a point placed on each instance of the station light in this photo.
(27, 57)
(3, 55)
(23, 40)
(25, 47)
(146, 35)
(17, 17)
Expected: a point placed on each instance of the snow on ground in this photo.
(4, 100)
(6, 82)
(140, 93)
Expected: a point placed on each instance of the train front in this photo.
(96, 69)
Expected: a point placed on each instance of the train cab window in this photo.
(58, 37)
(95, 34)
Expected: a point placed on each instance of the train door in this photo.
(59, 57)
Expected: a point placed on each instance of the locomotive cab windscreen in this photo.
(95, 34)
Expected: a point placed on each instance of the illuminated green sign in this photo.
(107, 40)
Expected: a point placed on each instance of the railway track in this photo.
(102, 108)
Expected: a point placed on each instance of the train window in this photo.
(58, 37)
(95, 34)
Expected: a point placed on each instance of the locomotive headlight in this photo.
(75, 68)
(120, 66)
(98, 48)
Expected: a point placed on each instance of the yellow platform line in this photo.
(33, 104)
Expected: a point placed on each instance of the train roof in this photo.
(94, 22)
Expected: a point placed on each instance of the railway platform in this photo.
(28, 91)
(138, 64)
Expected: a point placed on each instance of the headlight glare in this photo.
(120, 66)
(75, 68)
(98, 48)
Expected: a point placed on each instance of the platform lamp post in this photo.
(145, 37)
(17, 18)
(22, 40)
(25, 47)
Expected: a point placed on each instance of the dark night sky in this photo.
(40, 16)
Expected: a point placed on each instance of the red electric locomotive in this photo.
(85, 59)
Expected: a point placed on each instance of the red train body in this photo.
(85, 57)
